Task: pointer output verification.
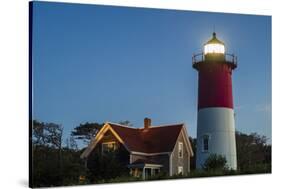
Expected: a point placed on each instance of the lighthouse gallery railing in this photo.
(231, 58)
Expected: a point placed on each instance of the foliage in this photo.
(193, 159)
(123, 178)
(72, 167)
(215, 162)
(86, 131)
(38, 132)
(252, 151)
(45, 167)
(71, 143)
(160, 176)
(126, 123)
(47, 134)
(106, 166)
(53, 165)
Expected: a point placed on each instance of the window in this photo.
(180, 170)
(205, 143)
(108, 146)
(180, 150)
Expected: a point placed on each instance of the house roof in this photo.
(155, 139)
(152, 140)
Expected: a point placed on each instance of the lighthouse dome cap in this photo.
(214, 40)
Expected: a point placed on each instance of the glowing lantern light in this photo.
(214, 46)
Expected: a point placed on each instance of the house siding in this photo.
(163, 160)
(176, 161)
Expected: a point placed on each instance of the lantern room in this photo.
(214, 52)
(214, 46)
(214, 49)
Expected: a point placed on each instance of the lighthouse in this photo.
(215, 117)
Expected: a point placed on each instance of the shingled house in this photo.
(148, 150)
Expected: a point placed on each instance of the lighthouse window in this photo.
(205, 143)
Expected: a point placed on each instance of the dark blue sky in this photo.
(102, 63)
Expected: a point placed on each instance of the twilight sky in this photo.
(103, 63)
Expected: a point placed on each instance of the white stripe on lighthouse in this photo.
(218, 125)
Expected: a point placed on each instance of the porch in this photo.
(144, 170)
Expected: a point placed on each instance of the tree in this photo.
(71, 143)
(193, 159)
(105, 166)
(47, 134)
(86, 131)
(38, 133)
(252, 151)
(53, 135)
(46, 153)
(215, 162)
(73, 166)
(126, 123)
(52, 164)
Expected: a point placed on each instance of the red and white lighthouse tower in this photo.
(215, 119)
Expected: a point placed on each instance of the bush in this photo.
(105, 167)
(257, 169)
(215, 162)
(124, 178)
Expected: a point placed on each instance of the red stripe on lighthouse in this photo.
(215, 85)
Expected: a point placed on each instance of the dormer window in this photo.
(108, 147)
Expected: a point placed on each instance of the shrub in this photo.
(215, 162)
(105, 167)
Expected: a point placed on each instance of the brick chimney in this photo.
(147, 123)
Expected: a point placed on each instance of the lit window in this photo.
(108, 146)
(205, 143)
(180, 150)
(180, 170)
(214, 48)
